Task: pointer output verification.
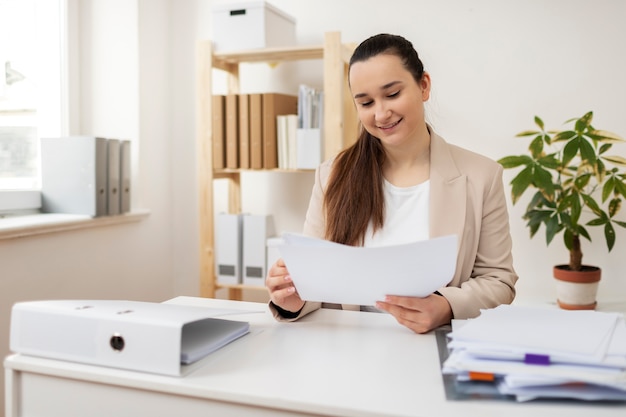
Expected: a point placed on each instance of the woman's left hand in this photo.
(418, 314)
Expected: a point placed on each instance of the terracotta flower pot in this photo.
(577, 290)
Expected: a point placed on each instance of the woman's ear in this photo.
(425, 86)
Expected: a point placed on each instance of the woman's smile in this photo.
(389, 126)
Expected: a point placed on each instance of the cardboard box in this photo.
(251, 25)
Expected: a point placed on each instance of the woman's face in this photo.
(389, 102)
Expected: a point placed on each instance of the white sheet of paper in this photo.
(545, 331)
(335, 273)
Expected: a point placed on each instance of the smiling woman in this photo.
(31, 93)
(411, 185)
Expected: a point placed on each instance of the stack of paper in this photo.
(334, 273)
(543, 352)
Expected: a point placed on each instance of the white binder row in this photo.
(241, 248)
(85, 175)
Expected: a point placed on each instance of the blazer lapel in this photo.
(448, 190)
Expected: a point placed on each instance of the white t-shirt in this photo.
(406, 216)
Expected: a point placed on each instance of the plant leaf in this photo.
(520, 183)
(605, 136)
(539, 123)
(568, 238)
(535, 219)
(527, 133)
(564, 135)
(582, 181)
(609, 234)
(620, 186)
(584, 121)
(583, 232)
(542, 179)
(549, 161)
(607, 188)
(604, 148)
(596, 222)
(552, 228)
(591, 203)
(515, 161)
(615, 159)
(600, 170)
(570, 150)
(614, 206)
(536, 147)
(587, 152)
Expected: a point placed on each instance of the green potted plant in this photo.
(577, 184)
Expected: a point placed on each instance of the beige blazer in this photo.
(466, 199)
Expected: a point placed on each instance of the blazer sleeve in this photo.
(490, 280)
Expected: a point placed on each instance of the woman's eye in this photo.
(366, 103)
(394, 94)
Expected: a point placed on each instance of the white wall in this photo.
(494, 65)
(125, 90)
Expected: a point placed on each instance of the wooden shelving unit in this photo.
(338, 108)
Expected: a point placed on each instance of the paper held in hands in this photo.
(331, 272)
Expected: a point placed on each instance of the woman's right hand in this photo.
(282, 291)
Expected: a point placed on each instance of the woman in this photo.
(401, 182)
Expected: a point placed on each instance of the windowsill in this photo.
(37, 224)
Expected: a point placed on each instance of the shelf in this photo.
(228, 172)
(224, 60)
(340, 128)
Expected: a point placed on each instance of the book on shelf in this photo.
(274, 104)
(244, 131)
(287, 135)
(256, 131)
(217, 139)
(231, 116)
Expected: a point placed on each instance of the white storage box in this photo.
(308, 148)
(251, 25)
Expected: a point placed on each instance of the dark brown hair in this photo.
(354, 195)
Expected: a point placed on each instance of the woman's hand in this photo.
(281, 288)
(418, 314)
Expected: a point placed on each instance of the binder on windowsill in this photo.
(74, 175)
(113, 173)
(125, 164)
(141, 336)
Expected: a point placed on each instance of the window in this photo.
(32, 93)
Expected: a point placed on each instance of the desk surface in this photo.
(329, 363)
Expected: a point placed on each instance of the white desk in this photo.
(331, 363)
